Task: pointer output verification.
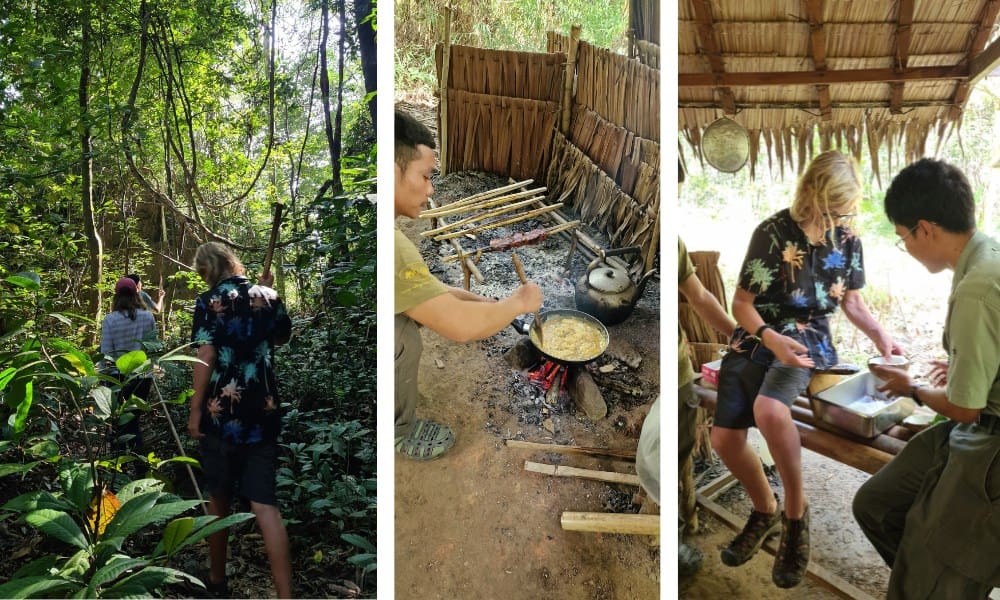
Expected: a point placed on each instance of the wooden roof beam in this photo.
(987, 19)
(710, 44)
(817, 48)
(904, 34)
(818, 78)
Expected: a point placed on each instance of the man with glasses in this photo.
(931, 512)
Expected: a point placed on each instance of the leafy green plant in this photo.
(96, 524)
(329, 478)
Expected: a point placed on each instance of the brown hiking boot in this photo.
(792, 557)
(759, 527)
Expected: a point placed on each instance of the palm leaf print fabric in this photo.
(797, 284)
(241, 321)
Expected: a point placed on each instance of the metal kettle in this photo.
(607, 291)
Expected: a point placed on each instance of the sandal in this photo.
(426, 441)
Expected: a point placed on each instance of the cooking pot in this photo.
(608, 292)
(522, 327)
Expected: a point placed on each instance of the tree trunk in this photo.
(324, 86)
(366, 42)
(94, 243)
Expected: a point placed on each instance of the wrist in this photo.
(759, 334)
(914, 389)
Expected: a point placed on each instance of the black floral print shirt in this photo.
(242, 322)
(798, 284)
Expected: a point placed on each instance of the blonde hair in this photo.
(831, 184)
(215, 261)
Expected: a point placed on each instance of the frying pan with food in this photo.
(577, 338)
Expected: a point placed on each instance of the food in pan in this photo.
(570, 338)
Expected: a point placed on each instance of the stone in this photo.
(586, 394)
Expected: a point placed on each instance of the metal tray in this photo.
(831, 407)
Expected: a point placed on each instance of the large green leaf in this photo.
(139, 486)
(102, 401)
(175, 532)
(5, 376)
(27, 587)
(58, 524)
(142, 511)
(114, 570)
(32, 501)
(205, 526)
(146, 582)
(130, 361)
(26, 280)
(358, 541)
(15, 468)
(20, 419)
(38, 567)
(79, 485)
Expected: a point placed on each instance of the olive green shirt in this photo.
(972, 329)
(414, 282)
(685, 269)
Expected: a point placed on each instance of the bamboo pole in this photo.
(443, 103)
(475, 198)
(485, 226)
(448, 210)
(561, 449)
(469, 269)
(564, 471)
(567, 103)
(611, 523)
(491, 213)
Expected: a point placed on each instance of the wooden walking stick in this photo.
(275, 226)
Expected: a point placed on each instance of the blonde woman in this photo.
(802, 263)
(235, 409)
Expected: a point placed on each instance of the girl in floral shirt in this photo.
(802, 263)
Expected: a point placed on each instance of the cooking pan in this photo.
(522, 327)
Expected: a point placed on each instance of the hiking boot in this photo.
(792, 558)
(688, 560)
(759, 527)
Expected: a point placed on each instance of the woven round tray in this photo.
(725, 145)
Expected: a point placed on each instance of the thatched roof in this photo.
(861, 74)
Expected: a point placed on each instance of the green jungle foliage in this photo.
(130, 133)
(499, 24)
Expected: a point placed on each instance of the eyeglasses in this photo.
(839, 217)
(901, 242)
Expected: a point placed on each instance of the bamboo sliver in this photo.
(611, 523)
(564, 471)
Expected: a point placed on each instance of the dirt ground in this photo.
(474, 523)
(837, 542)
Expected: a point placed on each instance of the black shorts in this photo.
(249, 470)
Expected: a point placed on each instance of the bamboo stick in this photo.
(477, 197)
(561, 449)
(469, 269)
(564, 471)
(611, 523)
(449, 210)
(491, 213)
(443, 104)
(485, 226)
(567, 103)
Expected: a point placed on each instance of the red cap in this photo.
(125, 284)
